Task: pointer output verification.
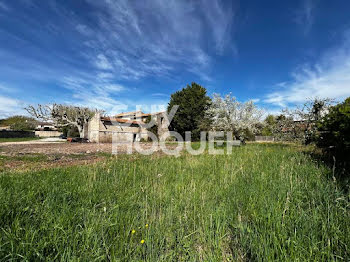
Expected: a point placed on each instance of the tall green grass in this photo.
(263, 202)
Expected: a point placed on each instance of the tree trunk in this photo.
(81, 131)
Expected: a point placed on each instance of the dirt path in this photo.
(49, 140)
(54, 148)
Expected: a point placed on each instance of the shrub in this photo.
(334, 134)
(73, 132)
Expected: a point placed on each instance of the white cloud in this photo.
(105, 76)
(114, 88)
(160, 94)
(103, 63)
(10, 106)
(6, 89)
(304, 17)
(219, 19)
(137, 39)
(271, 111)
(7, 102)
(84, 30)
(329, 78)
(92, 93)
(120, 42)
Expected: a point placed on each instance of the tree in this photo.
(309, 114)
(20, 123)
(269, 125)
(154, 128)
(64, 115)
(334, 133)
(228, 114)
(287, 128)
(300, 124)
(193, 102)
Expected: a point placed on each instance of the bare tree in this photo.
(63, 115)
(228, 114)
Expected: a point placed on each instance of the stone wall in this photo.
(48, 133)
(264, 139)
(107, 132)
(93, 129)
(163, 124)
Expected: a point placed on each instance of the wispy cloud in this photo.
(6, 89)
(305, 16)
(10, 106)
(160, 94)
(103, 63)
(159, 37)
(330, 77)
(96, 94)
(118, 42)
(3, 6)
(87, 92)
(83, 29)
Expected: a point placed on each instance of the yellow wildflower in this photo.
(133, 231)
(142, 241)
(146, 225)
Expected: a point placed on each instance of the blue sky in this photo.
(115, 55)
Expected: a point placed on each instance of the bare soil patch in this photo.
(54, 148)
(26, 157)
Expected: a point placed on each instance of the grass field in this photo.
(263, 202)
(18, 139)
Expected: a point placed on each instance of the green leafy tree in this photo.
(73, 132)
(190, 116)
(269, 125)
(19, 123)
(334, 134)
